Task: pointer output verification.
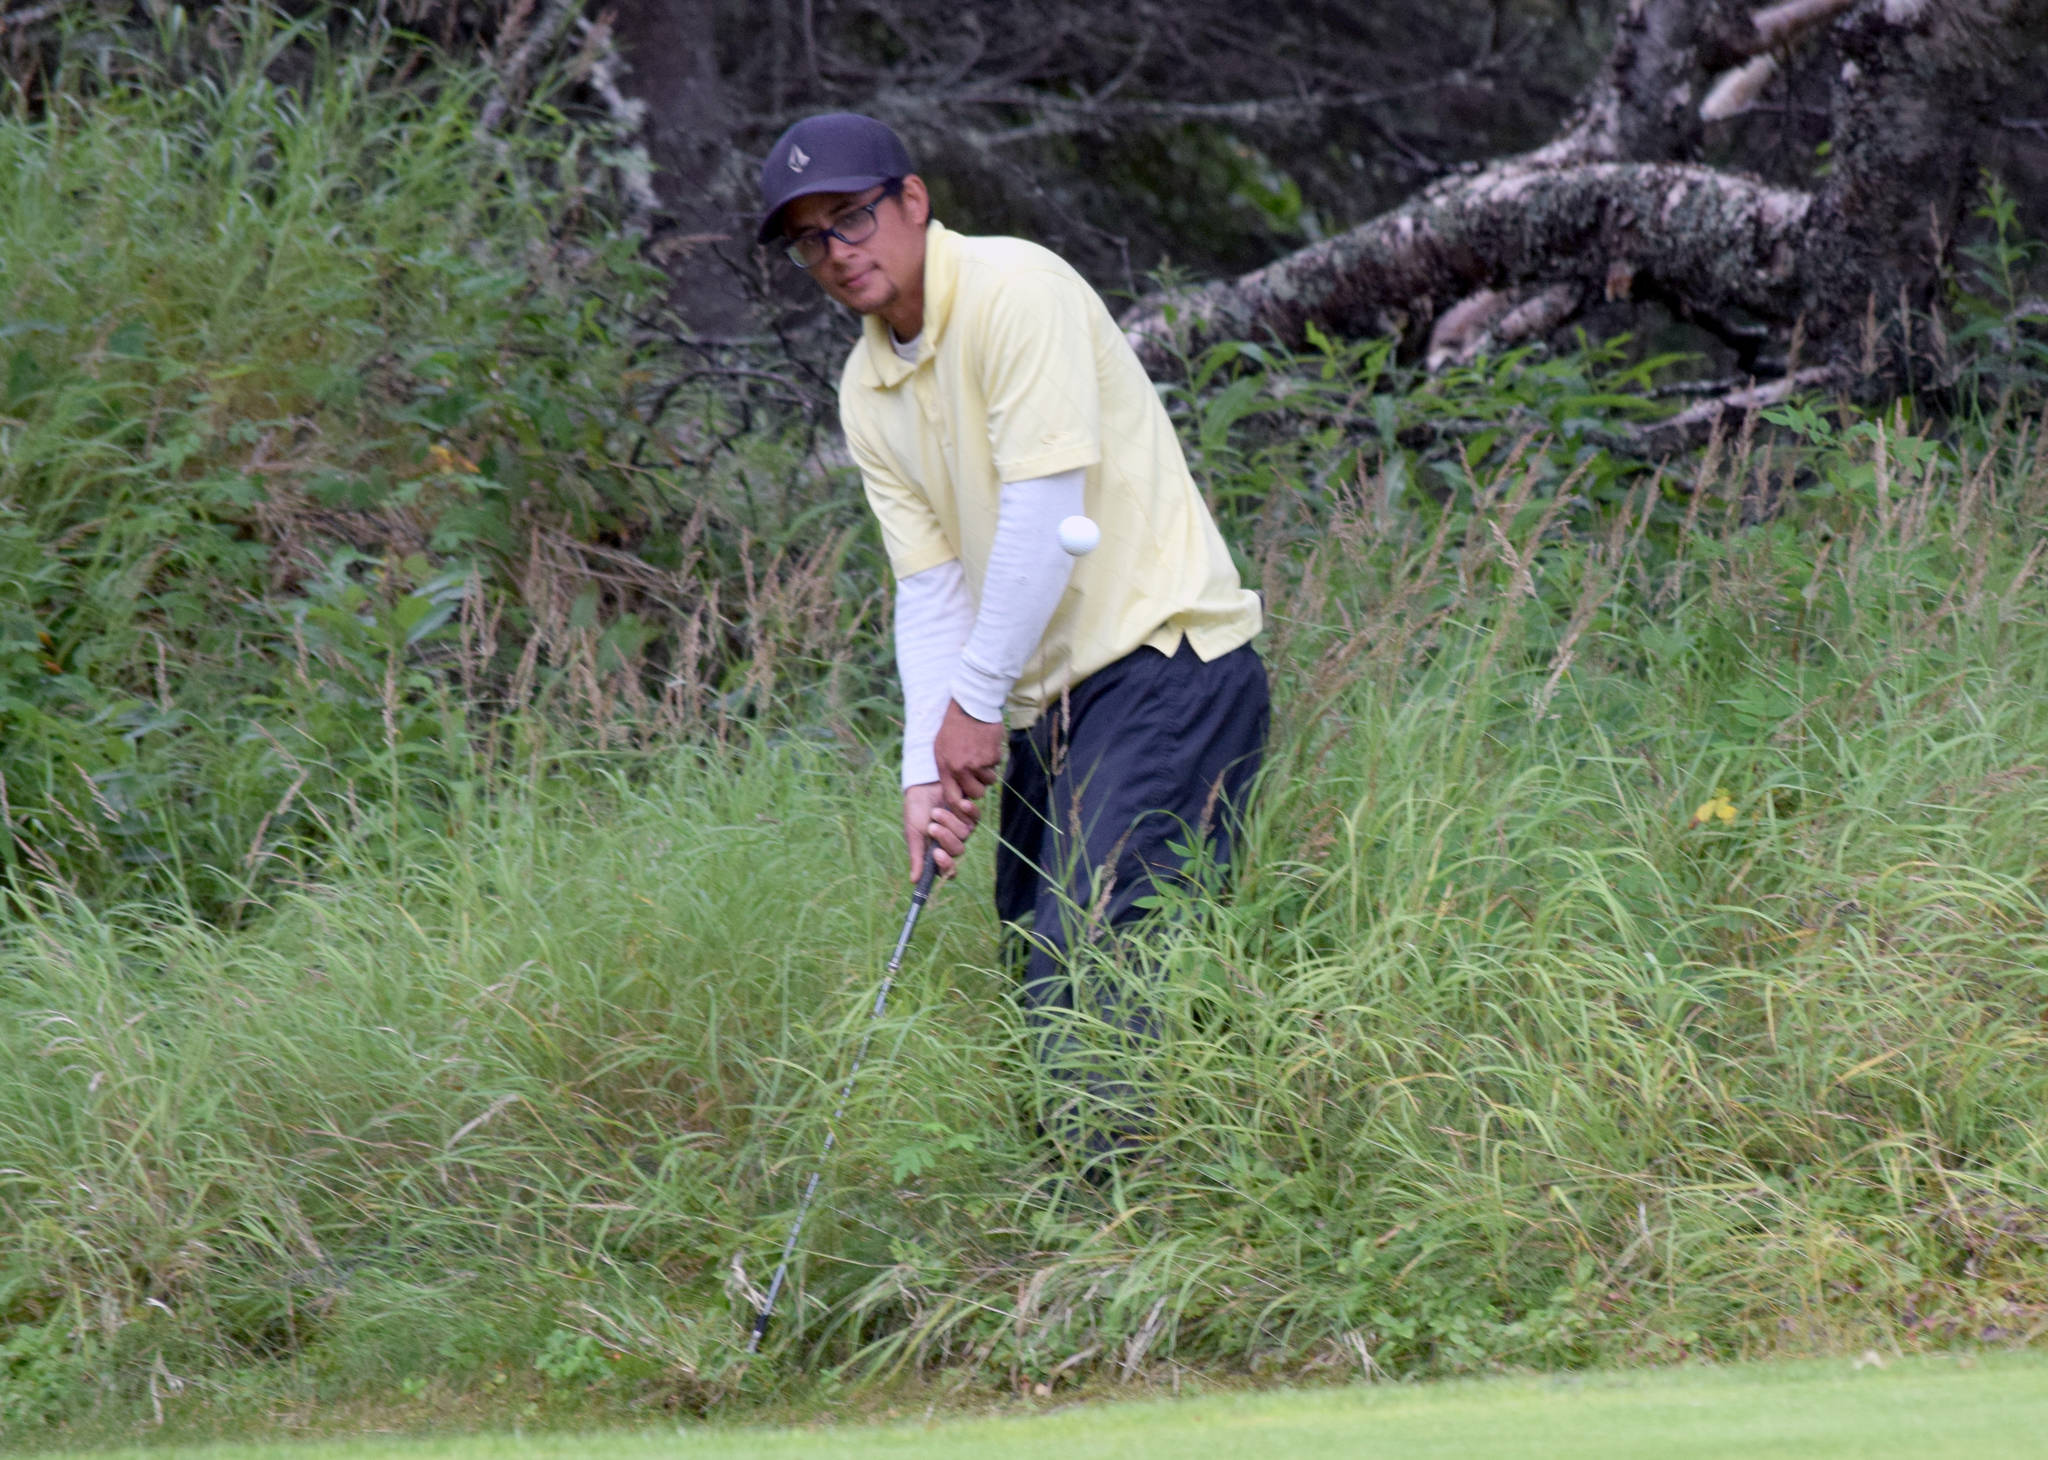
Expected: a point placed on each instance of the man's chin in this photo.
(865, 297)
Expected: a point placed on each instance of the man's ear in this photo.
(916, 200)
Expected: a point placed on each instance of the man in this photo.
(990, 397)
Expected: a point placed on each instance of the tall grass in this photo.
(1637, 954)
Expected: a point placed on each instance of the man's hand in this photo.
(970, 757)
(926, 818)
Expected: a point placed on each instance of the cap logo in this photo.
(798, 159)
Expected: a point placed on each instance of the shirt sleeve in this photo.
(1027, 574)
(933, 616)
(1038, 376)
(911, 534)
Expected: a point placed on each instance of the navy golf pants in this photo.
(1144, 758)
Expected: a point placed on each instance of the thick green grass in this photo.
(1916, 1410)
(1498, 1055)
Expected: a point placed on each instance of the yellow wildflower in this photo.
(450, 463)
(1717, 807)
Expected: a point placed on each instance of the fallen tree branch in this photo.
(1696, 422)
(1493, 320)
(1779, 25)
(1730, 243)
(34, 14)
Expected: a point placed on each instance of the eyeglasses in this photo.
(809, 249)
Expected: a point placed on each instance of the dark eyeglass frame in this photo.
(845, 228)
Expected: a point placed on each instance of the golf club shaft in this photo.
(918, 897)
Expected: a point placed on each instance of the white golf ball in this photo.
(1078, 535)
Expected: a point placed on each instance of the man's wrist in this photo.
(979, 691)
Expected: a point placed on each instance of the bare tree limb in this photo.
(1640, 106)
(1783, 23)
(1729, 242)
(1738, 89)
(1537, 314)
(1696, 422)
(1060, 116)
(1462, 331)
(1494, 320)
(512, 73)
(629, 116)
(34, 14)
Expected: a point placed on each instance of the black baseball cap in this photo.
(837, 152)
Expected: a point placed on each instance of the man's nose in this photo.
(837, 248)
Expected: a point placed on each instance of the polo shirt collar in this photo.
(881, 367)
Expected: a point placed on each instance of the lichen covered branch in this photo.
(1692, 233)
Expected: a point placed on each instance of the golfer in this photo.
(1114, 694)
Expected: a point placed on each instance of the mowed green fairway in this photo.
(1979, 1408)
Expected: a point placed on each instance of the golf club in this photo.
(918, 897)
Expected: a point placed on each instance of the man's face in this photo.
(883, 273)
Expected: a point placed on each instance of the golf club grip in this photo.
(919, 895)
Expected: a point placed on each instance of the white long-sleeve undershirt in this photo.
(934, 615)
(947, 648)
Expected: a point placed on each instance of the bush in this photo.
(328, 424)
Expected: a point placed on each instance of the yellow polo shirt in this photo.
(1021, 372)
